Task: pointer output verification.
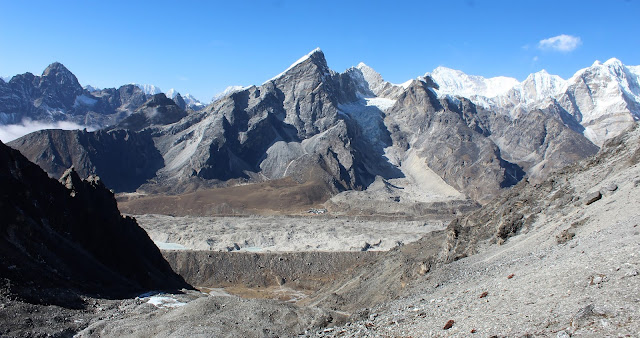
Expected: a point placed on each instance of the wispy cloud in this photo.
(561, 43)
(11, 132)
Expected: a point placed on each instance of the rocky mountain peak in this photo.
(613, 62)
(158, 110)
(59, 87)
(70, 179)
(158, 100)
(60, 75)
(312, 64)
(179, 101)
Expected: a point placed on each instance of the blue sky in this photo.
(201, 47)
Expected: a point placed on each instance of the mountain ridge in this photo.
(344, 130)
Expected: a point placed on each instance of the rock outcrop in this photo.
(58, 240)
(123, 159)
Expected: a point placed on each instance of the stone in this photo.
(592, 197)
(449, 324)
(565, 236)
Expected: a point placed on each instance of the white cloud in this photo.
(11, 132)
(561, 43)
(535, 58)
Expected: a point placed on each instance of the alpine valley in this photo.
(325, 203)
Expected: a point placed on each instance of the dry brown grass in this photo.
(283, 196)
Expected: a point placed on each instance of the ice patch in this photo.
(84, 100)
(169, 246)
(166, 302)
(381, 103)
(456, 82)
(228, 91)
(148, 89)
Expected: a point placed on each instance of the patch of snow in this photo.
(91, 88)
(228, 91)
(382, 103)
(166, 302)
(456, 82)
(169, 246)
(171, 93)
(369, 114)
(84, 100)
(301, 60)
(406, 84)
(148, 89)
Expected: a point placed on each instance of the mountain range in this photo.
(344, 131)
(57, 95)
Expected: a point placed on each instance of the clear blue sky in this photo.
(201, 47)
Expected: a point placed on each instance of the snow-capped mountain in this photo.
(455, 82)
(91, 89)
(374, 83)
(189, 100)
(604, 98)
(148, 89)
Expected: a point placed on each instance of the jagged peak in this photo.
(316, 55)
(55, 67)
(228, 91)
(159, 99)
(613, 62)
(542, 74)
(315, 50)
(61, 74)
(148, 89)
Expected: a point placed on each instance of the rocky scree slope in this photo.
(557, 257)
(63, 239)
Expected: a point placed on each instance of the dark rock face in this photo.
(453, 140)
(159, 110)
(540, 141)
(56, 240)
(179, 101)
(123, 159)
(288, 127)
(57, 96)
